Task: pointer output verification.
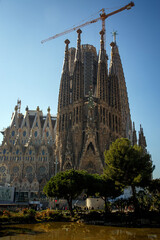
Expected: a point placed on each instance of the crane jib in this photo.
(102, 17)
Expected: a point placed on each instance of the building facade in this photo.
(93, 107)
(93, 110)
(27, 153)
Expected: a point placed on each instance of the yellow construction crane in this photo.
(102, 17)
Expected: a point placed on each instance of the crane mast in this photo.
(102, 17)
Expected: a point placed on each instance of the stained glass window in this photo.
(24, 133)
(13, 133)
(35, 133)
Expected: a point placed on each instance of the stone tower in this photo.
(134, 135)
(142, 140)
(116, 69)
(93, 107)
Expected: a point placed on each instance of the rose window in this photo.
(2, 169)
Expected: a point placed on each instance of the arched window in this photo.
(13, 133)
(35, 133)
(68, 166)
(24, 133)
(17, 151)
(90, 146)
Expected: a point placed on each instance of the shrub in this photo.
(25, 210)
(144, 201)
(94, 215)
(49, 215)
(6, 213)
(31, 212)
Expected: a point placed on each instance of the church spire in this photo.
(64, 85)
(142, 139)
(116, 70)
(14, 119)
(78, 78)
(102, 40)
(102, 53)
(102, 73)
(134, 136)
(66, 60)
(78, 51)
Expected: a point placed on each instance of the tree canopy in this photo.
(128, 165)
(68, 185)
(108, 190)
(154, 186)
(101, 186)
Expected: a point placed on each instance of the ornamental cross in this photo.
(114, 34)
(90, 99)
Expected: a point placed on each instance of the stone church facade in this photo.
(93, 111)
(93, 108)
(27, 153)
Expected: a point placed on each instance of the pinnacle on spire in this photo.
(67, 42)
(79, 31)
(16, 108)
(27, 108)
(134, 135)
(133, 126)
(141, 129)
(78, 52)
(65, 65)
(114, 34)
(14, 119)
(113, 43)
(102, 52)
(142, 139)
(114, 54)
(48, 109)
(102, 39)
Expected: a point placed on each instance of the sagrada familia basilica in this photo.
(93, 111)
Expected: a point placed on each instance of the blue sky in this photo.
(31, 71)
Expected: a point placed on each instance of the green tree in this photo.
(154, 185)
(154, 189)
(92, 184)
(101, 186)
(145, 201)
(108, 190)
(68, 185)
(128, 165)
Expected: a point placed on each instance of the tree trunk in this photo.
(106, 205)
(135, 202)
(70, 206)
